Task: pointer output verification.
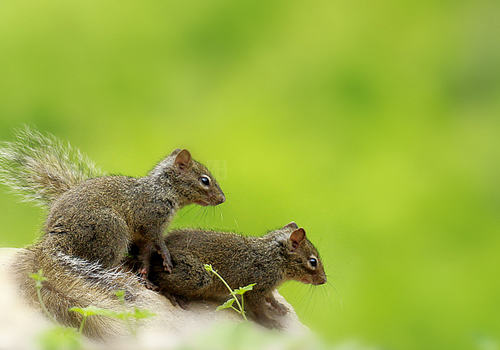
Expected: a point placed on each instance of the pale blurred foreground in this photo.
(200, 327)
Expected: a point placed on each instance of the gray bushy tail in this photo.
(41, 167)
(73, 282)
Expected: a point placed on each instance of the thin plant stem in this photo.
(232, 293)
(49, 315)
(243, 306)
(235, 309)
(80, 330)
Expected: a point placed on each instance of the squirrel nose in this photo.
(222, 199)
(321, 280)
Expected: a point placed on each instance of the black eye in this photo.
(313, 262)
(205, 180)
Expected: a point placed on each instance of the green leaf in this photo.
(38, 278)
(226, 305)
(123, 315)
(243, 290)
(142, 313)
(208, 267)
(119, 315)
(120, 294)
(92, 311)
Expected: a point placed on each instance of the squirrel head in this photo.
(303, 263)
(190, 179)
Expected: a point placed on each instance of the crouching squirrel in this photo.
(281, 255)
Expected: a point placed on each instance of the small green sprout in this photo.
(58, 337)
(234, 293)
(140, 314)
(125, 315)
(136, 314)
(62, 332)
(120, 294)
(39, 278)
(90, 311)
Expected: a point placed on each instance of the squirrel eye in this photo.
(313, 262)
(205, 180)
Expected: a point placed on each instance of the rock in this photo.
(21, 325)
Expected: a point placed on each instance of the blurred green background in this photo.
(374, 125)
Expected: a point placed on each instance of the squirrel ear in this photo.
(183, 159)
(297, 237)
(175, 152)
(291, 225)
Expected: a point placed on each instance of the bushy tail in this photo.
(73, 282)
(41, 167)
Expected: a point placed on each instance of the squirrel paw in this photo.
(280, 309)
(167, 263)
(167, 260)
(167, 266)
(270, 323)
(149, 285)
(177, 300)
(276, 306)
(143, 272)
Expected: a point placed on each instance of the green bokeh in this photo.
(374, 125)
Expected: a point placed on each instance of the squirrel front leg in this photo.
(152, 238)
(278, 307)
(162, 249)
(144, 256)
(255, 302)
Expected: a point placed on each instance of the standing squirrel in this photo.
(281, 255)
(93, 219)
(97, 219)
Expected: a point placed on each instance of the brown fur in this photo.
(98, 219)
(93, 219)
(269, 261)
